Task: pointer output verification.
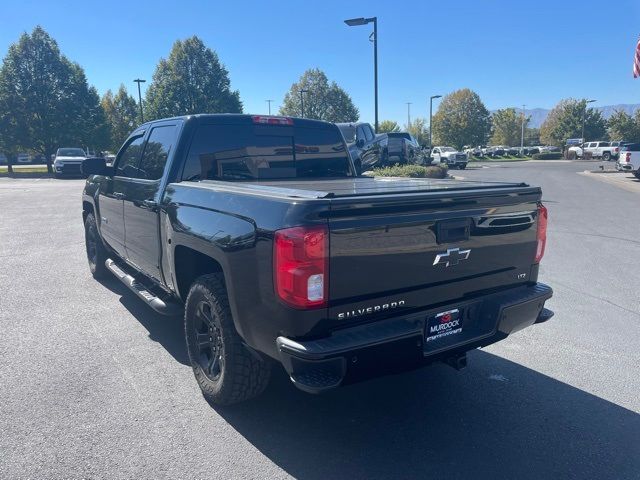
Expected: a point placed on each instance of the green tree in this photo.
(622, 126)
(418, 128)
(506, 127)
(462, 119)
(192, 80)
(121, 111)
(565, 121)
(45, 100)
(322, 100)
(388, 126)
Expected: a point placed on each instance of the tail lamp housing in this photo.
(543, 217)
(301, 266)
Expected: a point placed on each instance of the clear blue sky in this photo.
(510, 52)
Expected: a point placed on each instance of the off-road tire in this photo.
(96, 252)
(240, 374)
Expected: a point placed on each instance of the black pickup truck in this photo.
(259, 230)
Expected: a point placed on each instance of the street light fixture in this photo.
(431, 117)
(302, 92)
(584, 119)
(139, 81)
(354, 22)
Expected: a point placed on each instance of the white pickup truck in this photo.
(450, 156)
(629, 159)
(602, 150)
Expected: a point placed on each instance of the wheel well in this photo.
(190, 264)
(87, 208)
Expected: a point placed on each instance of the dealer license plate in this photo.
(443, 325)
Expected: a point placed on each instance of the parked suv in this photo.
(67, 161)
(363, 144)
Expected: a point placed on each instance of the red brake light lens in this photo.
(628, 157)
(543, 217)
(301, 266)
(271, 120)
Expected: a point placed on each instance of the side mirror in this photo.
(94, 166)
(360, 143)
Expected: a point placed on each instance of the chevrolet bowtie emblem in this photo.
(453, 257)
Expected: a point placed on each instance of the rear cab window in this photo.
(260, 152)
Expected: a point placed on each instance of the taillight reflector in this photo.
(628, 157)
(301, 266)
(269, 120)
(542, 232)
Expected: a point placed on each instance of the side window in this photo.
(161, 140)
(369, 132)
(127, 161)
(360, 133)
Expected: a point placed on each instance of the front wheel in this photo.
(96, 252)
(637, 174)
(226, 371)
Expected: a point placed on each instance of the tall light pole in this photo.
(302, 92)
(269, 102)
(584, 119)
(139, 81)
(522, 134)
(408, 114)
(431, 116)
(353, 22)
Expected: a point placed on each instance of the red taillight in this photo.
(627, 157)
(616, 149)
(301, 266)
(267, 120)
(542, 232)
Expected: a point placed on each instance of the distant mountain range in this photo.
(539, 115)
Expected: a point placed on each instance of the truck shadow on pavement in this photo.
(497, 419)
(167, 331)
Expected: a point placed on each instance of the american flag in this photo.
(636, 61)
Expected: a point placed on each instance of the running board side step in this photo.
(164, 307)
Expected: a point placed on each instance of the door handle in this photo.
(149, 204)
(118, 195)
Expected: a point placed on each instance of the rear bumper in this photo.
(398, 343)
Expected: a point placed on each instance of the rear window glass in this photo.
(399, 135)
(249, 152)
(631, 147)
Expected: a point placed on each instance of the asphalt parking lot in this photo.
(95, 384)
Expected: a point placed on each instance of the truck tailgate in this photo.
(424, 249)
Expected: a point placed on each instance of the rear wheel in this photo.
(96, 252)
(226, 371)
(462, 167)
(606, 156)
